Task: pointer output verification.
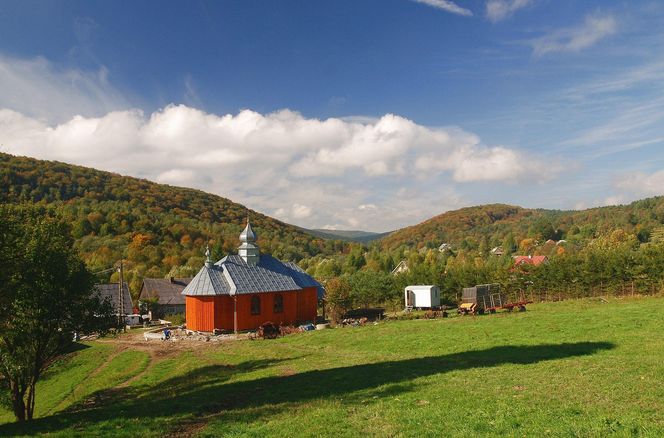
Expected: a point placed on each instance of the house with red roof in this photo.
(530, 260)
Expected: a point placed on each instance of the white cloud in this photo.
(614, 200)
(300, 211)
(476, 163)
(377, 173)
(574, 39)
(448, 6)
(498, 10)
(308, 171)
(36, 88)
(642, 184)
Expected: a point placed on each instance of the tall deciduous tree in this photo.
(338, 297)
(47, 295)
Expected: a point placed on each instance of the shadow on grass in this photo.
(75, 346)
(206, 391)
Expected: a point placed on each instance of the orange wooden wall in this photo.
(307, 308)
(200, 313)
(247, 321)
(207, 313)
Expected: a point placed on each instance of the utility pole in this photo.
(121, 309)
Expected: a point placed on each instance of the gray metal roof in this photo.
(210, 280)
(304, 279)
(111, 291)
(235, 276)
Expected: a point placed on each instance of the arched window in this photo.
(255, 305)
(278, 303)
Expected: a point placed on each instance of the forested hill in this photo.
(158, 229)
(488, 226)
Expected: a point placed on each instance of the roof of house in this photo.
(402, 266)
(529, 260)
(111, 291)
(233, 275)
(168, 290)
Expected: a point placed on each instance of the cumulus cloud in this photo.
(614, 200)
(304, 170)
(376, 173)
(471, 163)
(641, 183)
(448, 6)
(574, 39)
(300, 211)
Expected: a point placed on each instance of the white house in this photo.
(497, 251)
(444, 247)
(422, 297)
(401, 268)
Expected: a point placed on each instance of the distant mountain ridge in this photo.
(348, 235)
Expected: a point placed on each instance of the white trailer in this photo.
(422, 297)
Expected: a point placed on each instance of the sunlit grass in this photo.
(574, 368)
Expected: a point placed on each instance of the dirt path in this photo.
(67, 400)
(157, 351)
(152, 360)
(158, 348)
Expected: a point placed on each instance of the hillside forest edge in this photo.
(161, 231)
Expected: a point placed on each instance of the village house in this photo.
(401, 268)
(243, 291)
(111, 292)
(530, 260)
(444, 247)
(497, 251)
(167, 292)
(124, 306)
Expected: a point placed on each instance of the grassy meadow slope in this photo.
(578, 368)
(157, 228)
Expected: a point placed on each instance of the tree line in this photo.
(615, 264)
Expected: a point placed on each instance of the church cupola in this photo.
(248, 250)
(208, 260)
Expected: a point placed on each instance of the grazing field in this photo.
(574, 368)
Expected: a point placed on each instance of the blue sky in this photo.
(347, 114)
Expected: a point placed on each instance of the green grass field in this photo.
(574, 368)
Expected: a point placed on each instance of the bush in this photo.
(338, 298)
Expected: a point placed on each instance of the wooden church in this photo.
(243, 291)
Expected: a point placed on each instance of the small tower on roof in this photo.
(208, 260)
(248, 250)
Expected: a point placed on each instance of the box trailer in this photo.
(422, 297)
(481, 298)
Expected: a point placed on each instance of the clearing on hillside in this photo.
(581, 368)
